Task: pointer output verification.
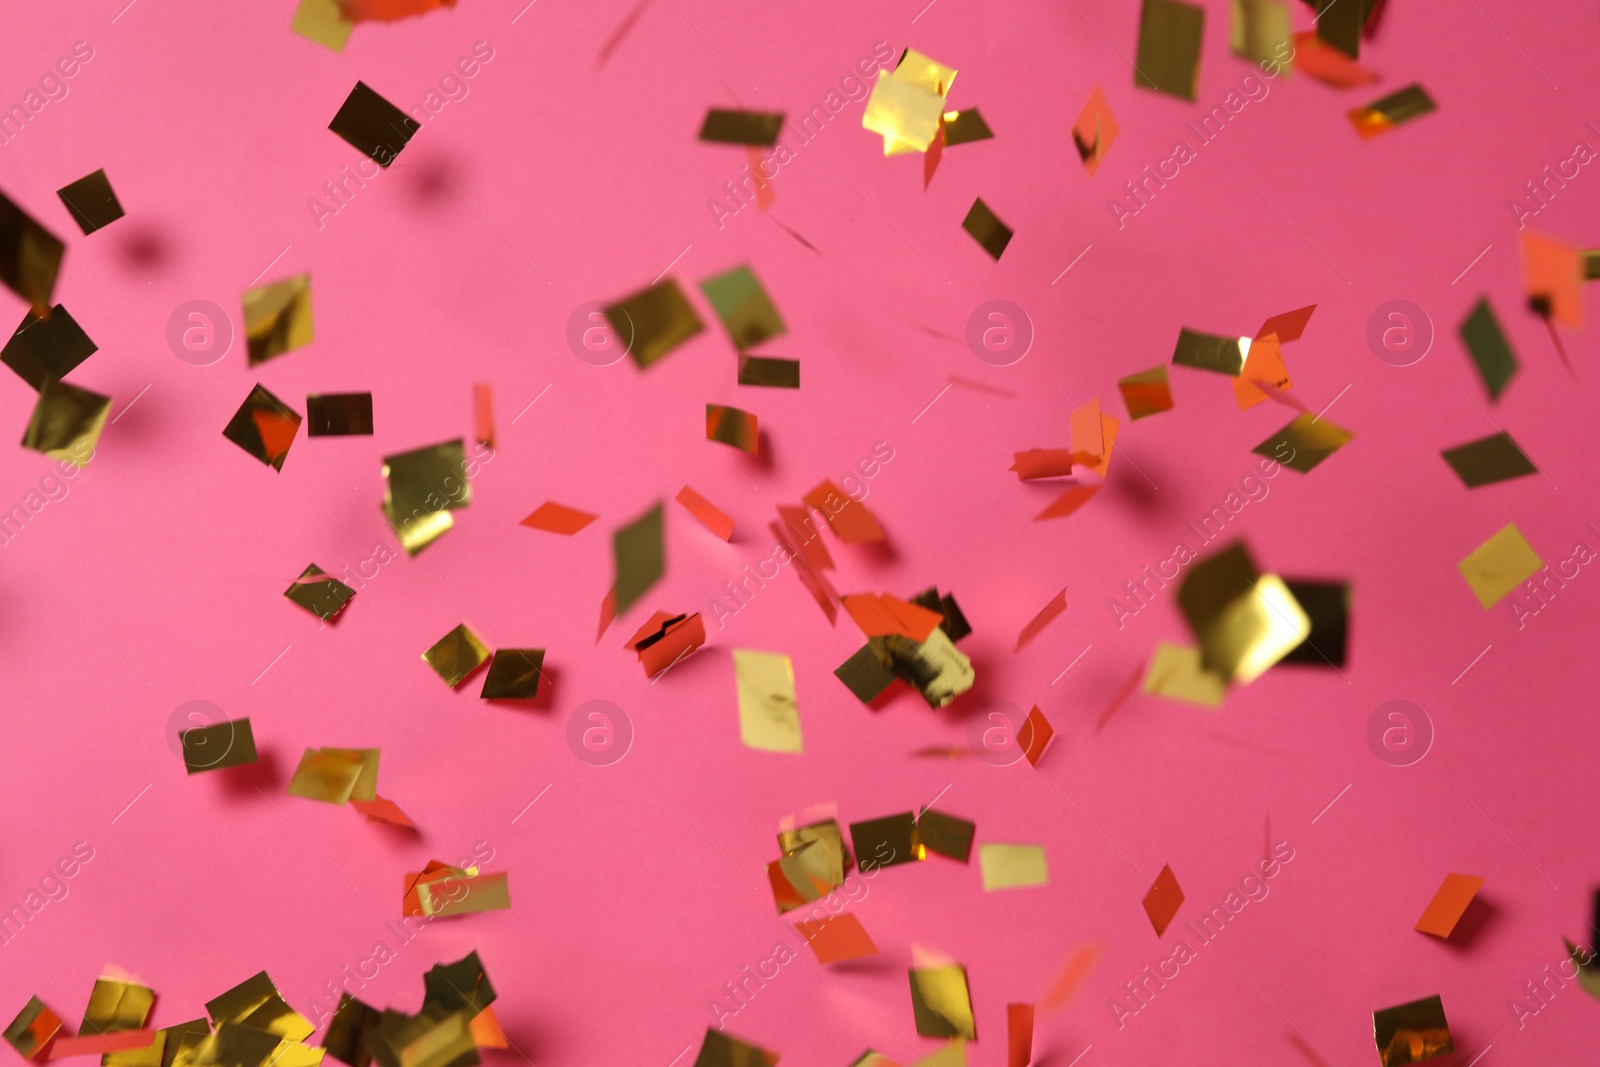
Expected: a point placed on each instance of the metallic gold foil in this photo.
(1385, 114)
(1310, 441)
(277, 318)
(232, 1045)
(941, 1002)
(829, 840)
(880, 616)
(1411, 1033)
(326, 774)
(935, 668)
(456, 655)
(324, 597)
(964, 127)
(440, 889)
(1499, 565)
(1177, 674)
(1491, 352)
(1094, 131)
(773, 373)
(769, 715)
(339, 414)
(66, 422)
(659, 319)
(1047, 614)
(1327, 605)
(30, 255)
(513, 674)
(117, 1005)
(223, 744)
(945, 835)
(886, 842)
(639, 556)
(264, 426)
(1163, 900)
(742, 127)
(346, 1035)
(1339, 25)
(1012, 867)
(1451, 901)
(1244, 623)
(47, 346)
(322, 21)
(33, 1028)
(1488, 460)
(1146, 393)
(744, 307)
(723, 1050)
(905, 113)
(373, 126)
(1206, 351)
(460, 986)
(421, 488)
(952, 621)
(91, 202)
(986, 228)
(431, 1038)
(733, 426)
(802, 875)
(558, 518)
(1263, 31)
(1168, 60)
(864, 675)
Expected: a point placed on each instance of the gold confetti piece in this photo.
(925, 72)
(1309, 440)
(1175, 673)
(431, 1038)
(1068, 502)
(803, 875)
(1339, 25)
(373, 126)
(1553, 274)
(456, 655)
(1490, 351)
(935, 668)
(1444, 911)
(47, 346)
(326, 774)
(91, 201)
(945, 835)
(1327, 605)
(1591, 264)
(964, 127)
(864, 674)
(233, 1045)
(1410, 1033)
(953, 622)
(383, 810)
(940, 1000)
(905, 113)
(1383, 115)
(324, 597)
(156, 1053)
(886, 842)
(722, 1050)
(1588, 972)
(952, 1055)
(277, 318)
(1047, 614)
(1499, 565)
(30, 1032)
(1074, 972)
(640, 558)
(513, 674)
(460, 986)
(1035, 734)
(733, 426)
(744, 307)
(742, 127)
(1146, 393)
(1168, 60)
(710, 516)
(117, 1005)
(30, 255)
(1245, 623)
(421, 488)
(1010, 867)
(987, 229)
(773, 373)
(440, 889)
(769, 717)
(1206, 351)
(1019, 1035)
(322, 21)
(1491, 459)
(223, 744)
(1163, 900)
(256, 1003)
(338, 414)
(1263, 31)
(1094, 131)
(659, 319)
(880, 616)
(347, 1031)
(66, 422)
(558, 518)
(264, 426)
(837, 938)
(848, 518)
(870, 1058)
(665, 639)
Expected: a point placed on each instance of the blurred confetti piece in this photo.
(66, 423)
(1553, 274)
(1094, 131)
(880, 616)
(803, 874)
(1327, 605)
(659, 319)
(1499, 565)
(486, 1032)
(1488, 460)
(30, 255)
(1035, 734)
(319, 594)
(837, 939)
(47, 346)
(456, 655)
(1163, 900)
(952, 1055)
(1011, 867)
(389, 10)
(733, 426)
(439, 889)
(722, 1050)
(945, 835)
(935, 668)
(224, 744)
(483, 414)
(326, 774)
(1047, 614)
(1288, 326)
(1339, 25)
(710, 516)
(108, 1044)
(557, 518)
(769, 716)
(323, 21)
(277, 318)
(1245, 621)
(1208, 351)
(91, 201)
(941, 1003)
(264, 426)
(1168, 59)
(964, 127)
(1444, 911)
(1262, 31)
(31, 1031)
(865, 675)
(986, 228)
(1176, 674)
(1487, 346)
(886, 842)
(1146, 393)
(1075, 971)
(744, 307)
(1093, 435)
(371, 125)
(813, 579)
(1263, 369)
(1309, 441)
(907, 104)
(339, 415)
(802, 535)
(742, 127)
(1122, 695)
(849, 519)
(1385, 114)
(608, 612)
(1411, 1033)
(1019, 1035)
(513, 674)
(421, 488)
(383, 811)
(666, 639)
(639, 555)
(870, 1058)
(1068, 502)
(773, 373)
(952, 621)
(1328, 65)
(1588, 971)
(1037, 464)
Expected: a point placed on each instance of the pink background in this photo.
(158, 580)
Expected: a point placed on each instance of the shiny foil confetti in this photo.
(31, 1031)
(945, 835)
(339, 415)
(986, 228)
(30, 255)
(513, 674)
(1553, 275)
(1263, 30)
(1488, 460)
(218, 746)
(1490, 351)
(1168, 57)
(1245, 621)
(326, 774)
(1146, 393)
(1019, 1035)
(440, 889)
(264, 426)
(421, 488)
(1035, 736)
(886, 842)
(769, 714)
(1327, 605)
(46, 346)
(1205, 351)
(66, 423)
(1499, 565)
(732, 426)
(1412, 1032)
(639, 557)
(744, 307)
(1304, 443)
(323, 21)
(1385, 114)
(659, 319)
(456, 655)
(941, 1003)
(724, 1050)
(1176, 673)
(373, 126)
(277, 318)
(742, 127)
(1012, 867)
(772, 373)
(91, 201)
(319, 594)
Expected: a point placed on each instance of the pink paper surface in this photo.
(638, 887)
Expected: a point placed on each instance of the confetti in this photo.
(1327, 605)
(421, 488)
(66, 423)
(1553, 274)
(772, 373)
(1206, 351)
(1161, 904)
(880, 616)
(1011, 867)
(987, 229)
(513, 674)
(1146, 393)
(945, 835)
(91, 201)
(941, 1003)
(847, 517)
(639, 556)
(1262, 30)
(1075, 970)
(731, 426)
(277, 318)
(744, 307)
(440, 889)
(1411, 1033)
(665, 639)
(339, 415)
(710, 516)
(659, 319)
(558, 519)
(31, 1031)
(837, 939)
(1094, 131)
(456, 655)
(1488, 460)
(1068, 502)
(323, 21)
(1176, 673)
(30, 255)
(220, 745)
(1046, 616)
(1487, 346)
(1328, 65)
(907, 104)
(1385, 114)
(1019, 1035)
(1035, 735)
(723, 1050)
(373, 126)
(886, 842)
(1444, 911)
(47, 346)
(1245, 621)
(1168, 58)
(1499, 565)
(319, 594)
(1308, 440)
(742, 127)
(769, 716)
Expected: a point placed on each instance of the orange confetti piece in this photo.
(1264, 366)
(849, 519)
(608, 611)
(1019, 1032)
(1289, 325)
(710, 516)
(483, 413)
(1037, 463)
(1068, 502)
(666, 639)
(1073, 974)
(389, 10)
(1035, 734)
(558, 519)
(815, 581)
(1094, 131)
(1449, 904)
(804, 536)
(1328, 65)
(1046, 616)
(1163, 900)
(1554, 275)
(99, 1044)
(837, 939)
(883, 616)
(383, 811)
(486, 1032)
